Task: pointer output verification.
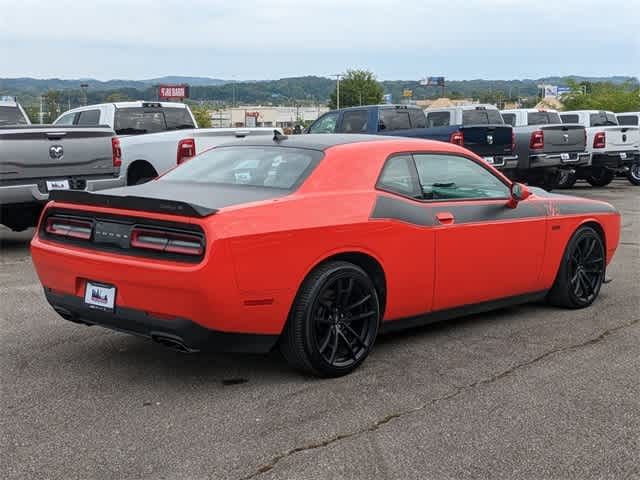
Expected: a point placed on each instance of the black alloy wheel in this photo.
(633, 175)
(567, 178)
(581, 272)
(600, 177)
(334, 321)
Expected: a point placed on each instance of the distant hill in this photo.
(285, 91)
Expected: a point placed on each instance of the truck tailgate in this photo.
(563, 138)
(44, 152)
(621, 137)
(488, 140)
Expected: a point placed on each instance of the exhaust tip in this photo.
(171, 342)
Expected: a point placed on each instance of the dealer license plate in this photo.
(101, 296)
(57, 185)
(623, 155)
(489, 160)
(565, 156)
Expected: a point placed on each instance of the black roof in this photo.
(318, 141)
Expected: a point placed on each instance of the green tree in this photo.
(603, 96)
(51, 105)
(358, 87)
(203, 118)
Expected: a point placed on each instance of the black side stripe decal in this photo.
(391, 208)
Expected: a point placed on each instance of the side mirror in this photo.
(519, 192)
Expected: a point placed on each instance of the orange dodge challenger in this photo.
(315, 244)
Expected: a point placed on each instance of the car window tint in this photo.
(418, 120)
(570, 118)
(89, 117)
(139, 120)
(398, 175)
(509, 118)
(325, 124)
(542, 118)
(627, 120)
(178, 118)
(354, 121)
(270, 167)
(481, 116)
(66, 119)
(603, 119)
(393, 119)
(438, 119)
(446, 177)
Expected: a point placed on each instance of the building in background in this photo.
(444, 102)
(265, 116)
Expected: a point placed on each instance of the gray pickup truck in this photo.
(37, 159)
(548, 151)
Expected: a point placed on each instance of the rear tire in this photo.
(567, 179)
(581, 271)
(334, 321)
(600, 177)
(633, 175)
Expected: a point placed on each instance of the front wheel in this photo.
(581, 271)
(600, 177)
(633, 175)
(334, 321)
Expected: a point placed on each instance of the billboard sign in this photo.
(433, 81)
(388, 98)
(173, 92)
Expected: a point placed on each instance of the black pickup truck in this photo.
(481, 133)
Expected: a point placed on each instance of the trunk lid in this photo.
(563, 138)
(620, 138)
(488, 140)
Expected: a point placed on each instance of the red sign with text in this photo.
(172, 92)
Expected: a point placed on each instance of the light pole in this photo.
(84, 87)
(337, 75)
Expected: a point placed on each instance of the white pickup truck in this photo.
(631, 119)
(613, 147)
(154, 136)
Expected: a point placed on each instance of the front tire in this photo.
(600, 177)
(633, 175)
(334, 321)
(581, 271)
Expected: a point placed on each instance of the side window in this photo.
(509, 118)
(438, 119)
(66, 119)
(89, 117)
(354, 121)
(449, 177)
(418, 119)
(325, 124)
(392, 119)
(570, 118)
(398, 176)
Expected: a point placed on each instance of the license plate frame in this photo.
(100, 296)
(623, 155)
(489, 160)
(57, 185)
(565, 157)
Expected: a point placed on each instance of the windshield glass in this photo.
(139, 120)
(627, 120)
(11, 116)
(602, 119)
(543, 118)
(270, 167)
(481, 116)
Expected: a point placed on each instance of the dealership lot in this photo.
(527, 392)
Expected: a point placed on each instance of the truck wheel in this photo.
(567, 179)
(600, 177)
(633, 175)
(333, 322)
(140, 172)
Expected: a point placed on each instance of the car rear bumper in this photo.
(178, 333)
(37, 192)
(504, 162)
(614, 160)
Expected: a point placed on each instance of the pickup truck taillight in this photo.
(166, 241)
(599, 140)
(457, 138)
(537, 140)
(69, 227)
(513, 142)
(186, 150)
(116, 152)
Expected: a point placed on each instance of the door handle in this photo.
(445, 218)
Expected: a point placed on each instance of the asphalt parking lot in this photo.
(528, 392)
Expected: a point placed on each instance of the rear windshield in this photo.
(139, 120)
(11, 116)
(269, 167)
(602, 119)
(543, 118)
(481, 116)
(627, 120)
(570, 118)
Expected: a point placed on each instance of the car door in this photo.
(484, 250)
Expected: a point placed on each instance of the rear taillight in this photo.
(166, 241)
(116, 152)
(186, 150)
(69, 227)
(537, 140)
(599, 140)
(513, 141)
(584, 131)
(457, 138)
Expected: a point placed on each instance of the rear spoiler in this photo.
(155, 205)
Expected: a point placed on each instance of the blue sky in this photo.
(257, 39)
